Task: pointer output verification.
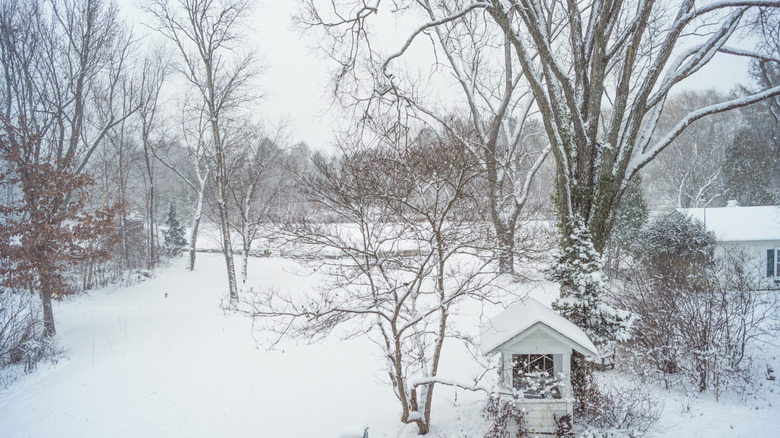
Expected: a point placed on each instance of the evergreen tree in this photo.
(752, 168)
(579, 272)
(174, 235)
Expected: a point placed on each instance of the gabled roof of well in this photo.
(524, 316)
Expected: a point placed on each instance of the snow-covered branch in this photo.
(476, 387)
(737, 51)
(426, 26)
(642, 157)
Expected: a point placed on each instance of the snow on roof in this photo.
(525, 314)
(734, 224)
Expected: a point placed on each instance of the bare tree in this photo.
(687, 173)
(117, 168)
(487, 78)
(153, 76)
(400, 251)
(627, 57)
(198, 145)
(205, 33)
(256, 182)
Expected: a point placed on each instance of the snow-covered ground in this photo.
(140, 364)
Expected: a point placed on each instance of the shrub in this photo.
(612, 411)
(676, 248)
(505, 416)
(697, 314)
(22, 339)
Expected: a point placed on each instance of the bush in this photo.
(505, 416)
(613, 411)
(676, 249)
(22, 339)
(606, 433)
(697, 314)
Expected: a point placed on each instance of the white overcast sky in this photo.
(296, 77)
(295, 80)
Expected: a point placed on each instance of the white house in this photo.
(755, 231)
(535, 345)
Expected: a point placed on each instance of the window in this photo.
(535, 375)
(777, 262)
(773, 263)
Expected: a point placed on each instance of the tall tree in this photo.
(205, 33)
(62, 66)
(117, 168)
(751, 169)
(197, 144)
(50, 228)
(153, 76)
(600, 74)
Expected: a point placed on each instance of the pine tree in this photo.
(174, 235)
(579, 272)
(751, 167)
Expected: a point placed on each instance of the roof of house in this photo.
(525, 315)
(736, 224)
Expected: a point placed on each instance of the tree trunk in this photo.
(122, 202)
(89, 268)
(48, 315)
(196, 218)
(227, 246)
(424, 426)
(504, 217)
(506, 251)
(151, 253)
(245, 261)
(194, 231)
(246, 238)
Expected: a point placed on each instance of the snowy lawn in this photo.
(138, 364)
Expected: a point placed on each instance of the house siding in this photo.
(755, 255)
